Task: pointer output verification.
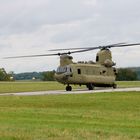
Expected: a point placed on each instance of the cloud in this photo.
(27, 16)
(33, 27)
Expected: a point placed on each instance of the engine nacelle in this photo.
(109, 63)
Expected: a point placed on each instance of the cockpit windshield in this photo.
(63, 69)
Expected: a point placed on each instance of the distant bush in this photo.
(126, 74)
(48, 76)
(28, 76)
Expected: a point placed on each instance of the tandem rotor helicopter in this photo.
(101, 73)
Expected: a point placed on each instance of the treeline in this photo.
(28, 76)
(43, 76)
(48, 76)
(137, 70)
(127, 74)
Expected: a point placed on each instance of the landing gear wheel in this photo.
(90, 86)
(68, 88)
(114, 86)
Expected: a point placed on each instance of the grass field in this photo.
(107, 116)
(8, 87)
(102, 116)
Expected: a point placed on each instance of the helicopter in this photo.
(100, 73)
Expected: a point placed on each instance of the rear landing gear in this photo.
(68, 88)
(114, 86)
(90, 86)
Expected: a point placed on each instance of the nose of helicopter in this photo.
(63, 77)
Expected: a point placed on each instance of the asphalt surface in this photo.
(83, 91)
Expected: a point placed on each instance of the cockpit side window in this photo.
(63, 69)
(97, 58)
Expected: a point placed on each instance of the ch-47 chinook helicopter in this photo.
(101, 73)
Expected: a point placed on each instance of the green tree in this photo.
(3, 75)
(48, 76)
(126, 74)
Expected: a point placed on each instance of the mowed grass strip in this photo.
(107, 116)
(125, 84)
(10, 87)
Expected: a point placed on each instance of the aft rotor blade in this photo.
(125, 45)
(105, 47)
(83, 48)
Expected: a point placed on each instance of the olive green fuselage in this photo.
(100, 73)
(83, 74)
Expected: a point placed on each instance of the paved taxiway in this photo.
(71, 92)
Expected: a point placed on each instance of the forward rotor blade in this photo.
(32, 56)
(69, 49)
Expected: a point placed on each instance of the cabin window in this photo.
(104, 71)
(79, 71)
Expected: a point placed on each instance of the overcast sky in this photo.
(35, 26)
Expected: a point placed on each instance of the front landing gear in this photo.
(68, 88)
